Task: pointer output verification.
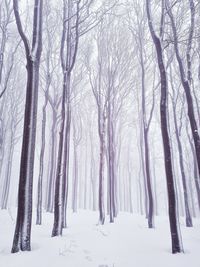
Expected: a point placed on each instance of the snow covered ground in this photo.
(126, 243)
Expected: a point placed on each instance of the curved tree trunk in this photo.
(186, 79)
(176, 247)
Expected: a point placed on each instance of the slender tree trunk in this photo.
(130, 192)
(101, 169)
(182, 169)
(75, 179)
(41, 169)
(66, 161)
(145, 126)
(176, 247)
(195, 171)
(92, 174)
(149, 186)
(192, 197)
(6, 186)
(146, 203)
(181, 162)
(110, 160)
(2, 50)
(140, 196)
(185, 80)
(58, 201)
(52, 173)
(85, 180)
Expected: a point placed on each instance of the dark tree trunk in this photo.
(22, 234)
(68, 58)
(185, 80)
(24, 214)
(58, 202)
(176, 247)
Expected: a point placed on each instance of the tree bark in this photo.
(176, 248)
(22, 234)
(185, 80)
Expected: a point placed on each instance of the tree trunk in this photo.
(22, 234)
(66, 161)
(41, 169)
(182, 169)
(6, 186)
(185, 80)
(176, 248)
(101, 169)
(58, 201)
(195, 171)
(24, 213)
(149, 186)
(75, 180)
(52, 173)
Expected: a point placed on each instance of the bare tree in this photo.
(101, 101)
(77, 136)
(5, 20)
(78, 19)
(176, 246)
(48, 77)
(174, 98)
(15, 117)
(138, 30)
(22, 234)
(185, 71)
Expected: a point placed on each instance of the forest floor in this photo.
(126, 243)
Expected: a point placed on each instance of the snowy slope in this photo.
(126, 243)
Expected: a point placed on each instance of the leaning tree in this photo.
(157, 39)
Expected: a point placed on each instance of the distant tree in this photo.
(13, 133)
(174, 98)
(95, 79)
(138, 29)
(78, 19)
(5, 20)
(77, 136)
(47, 81)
